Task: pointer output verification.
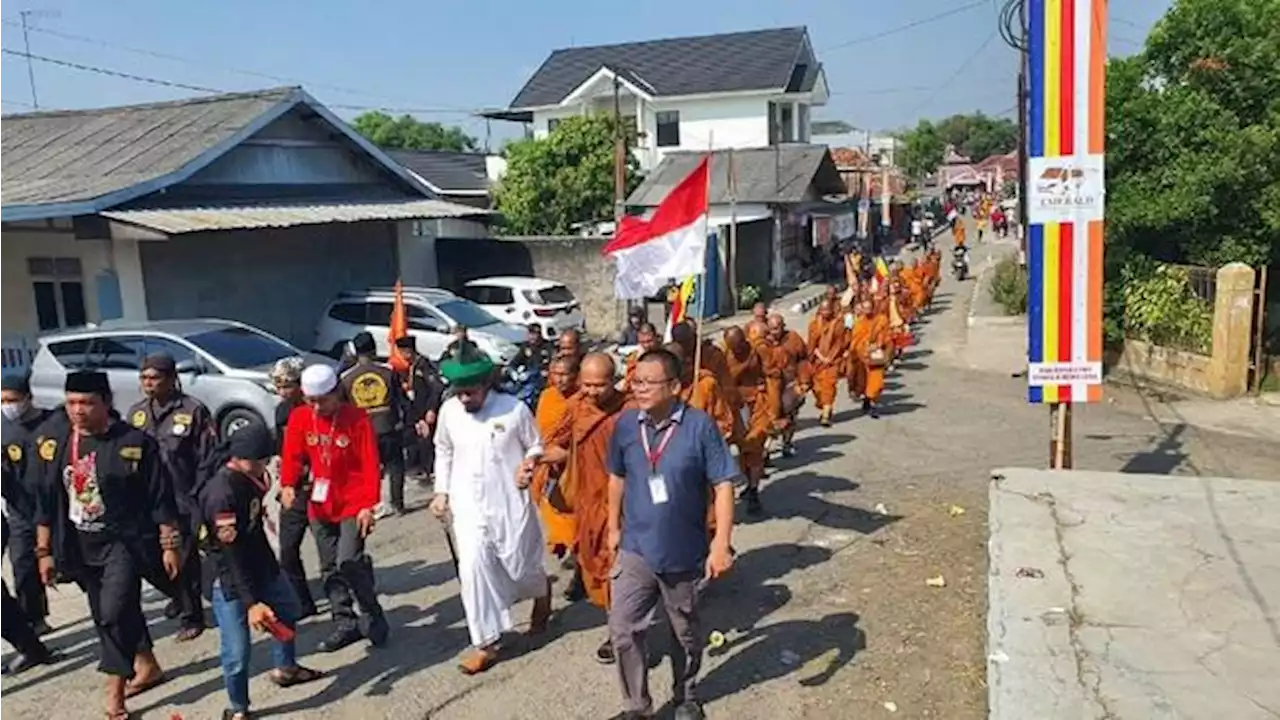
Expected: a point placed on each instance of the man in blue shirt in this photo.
(665, 461)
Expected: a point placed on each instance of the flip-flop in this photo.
(187, 634)
(296, 676)
(132, 689)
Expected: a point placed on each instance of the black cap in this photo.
(251, 442)
(408, 342)
(160, 362)
(88, 381)
(363, 343)
(16, 382)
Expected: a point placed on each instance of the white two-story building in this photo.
(735, 90)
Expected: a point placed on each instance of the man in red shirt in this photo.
(336, 442)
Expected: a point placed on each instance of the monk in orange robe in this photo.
(746, 368)
(712, 358)
(913, 277)
(579, 443)
(797, 377)
(958, 232)
(646, 340)
(704, 393)
(556, 510)
(869, 349)
(828, 347)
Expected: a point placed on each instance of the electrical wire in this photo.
(1012, 24)
(906, 27)
(955, 74)
(110, 73)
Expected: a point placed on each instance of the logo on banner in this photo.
(1065, 189)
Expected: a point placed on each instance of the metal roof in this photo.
(729, 62)
(448, 173)
(781, 174)
(175, 221)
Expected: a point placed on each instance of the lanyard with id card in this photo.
(320, 479)
(657, 483)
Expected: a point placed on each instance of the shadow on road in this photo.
(1164, 457)
(798, 496)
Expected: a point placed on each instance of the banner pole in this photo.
(702, 277)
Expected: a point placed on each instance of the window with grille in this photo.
(58, 286)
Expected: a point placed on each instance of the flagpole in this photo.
(702, 280)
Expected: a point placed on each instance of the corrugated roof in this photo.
(780, 174)
(78, 155)
(175, 221)
(729, 62)
(447, 172)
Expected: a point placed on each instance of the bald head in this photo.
(735, 339)
(597, 377)
(759, 311)
(684, 335)
(569, 343)
(564, 373)
(777, 326)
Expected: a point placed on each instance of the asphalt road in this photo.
(827, 614)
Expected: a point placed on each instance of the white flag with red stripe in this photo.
(671, 244)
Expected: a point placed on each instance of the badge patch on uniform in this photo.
(312, 438)
(14, 452)
(369, 391)
(179, 429)
(48, 448)
(183, 419)
(499, 427)
(132, 452)
(342, 441)
(255, 509)
(225, 527)
(139, 418)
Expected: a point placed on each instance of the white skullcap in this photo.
(318, 380)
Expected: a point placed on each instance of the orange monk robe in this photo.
(828, 347)
(773, 366)
(866, 378)
(705, 395)
(748, 375)
(630, 370)
(713, 359)
(558, 523)
(914, 280)
(958, 232)
(584, 431)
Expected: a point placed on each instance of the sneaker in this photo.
(754, 506)
(378, 631)
(604, 653)
(338, 639)
(384, 511)
(690, 710)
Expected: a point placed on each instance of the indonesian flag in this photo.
(671, 244)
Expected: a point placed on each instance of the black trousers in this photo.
(29, 592)
(190, 580)
(391, 455)
(14, 627)
(420, 452)
(293, 528)
(347, 572)
(114, 587)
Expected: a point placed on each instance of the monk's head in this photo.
(827, 309)
(564, 373)
(759, 312)
(569, 343)
(646, 337)
(831, 293)
(686, 336)
(657, 381)
(736, 340)
(865, 307)
(597, 377)
(777, 327)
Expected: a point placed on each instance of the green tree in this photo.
(409, 133)
(922, 149)
(566, 178)
(977, 136)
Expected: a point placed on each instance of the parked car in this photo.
(528, 300)
(432, 315)
(222, 363)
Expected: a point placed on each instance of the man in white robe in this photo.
(487, 445)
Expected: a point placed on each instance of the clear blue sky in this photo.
(454, 57)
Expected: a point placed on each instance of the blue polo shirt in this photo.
(671, 536)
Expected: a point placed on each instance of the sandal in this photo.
(477, 661)
(296, 675)
(187, 634)
(132, 689)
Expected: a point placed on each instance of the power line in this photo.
(110, 73)
(19, 103)
(950, 78)
(908, 26)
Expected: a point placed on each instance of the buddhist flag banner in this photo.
(1065, 191)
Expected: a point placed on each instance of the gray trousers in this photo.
(636, 592)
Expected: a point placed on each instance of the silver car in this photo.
(222, 363)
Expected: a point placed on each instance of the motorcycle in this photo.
(960, 262)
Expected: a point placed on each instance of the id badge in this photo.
(848, 321)
(658, 489)
(320, 490)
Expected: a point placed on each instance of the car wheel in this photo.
(235, 419)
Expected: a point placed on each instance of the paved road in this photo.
(827, 613)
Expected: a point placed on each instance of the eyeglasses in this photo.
(640, 384)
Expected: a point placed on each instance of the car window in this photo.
(348, 313)
(71, 354)
(179, 352)
(377, 314)
(465, 312)
(421, 318)
(476, 293)
(554, 295)
(242, 347)
(117, 352)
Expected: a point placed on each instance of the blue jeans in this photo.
(236, 643)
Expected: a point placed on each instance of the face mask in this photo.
(14, 410)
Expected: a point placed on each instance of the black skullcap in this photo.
(407, 342)
(251, 442)
(16, 382)
(363, 343)
(88, 381)
(161, 362)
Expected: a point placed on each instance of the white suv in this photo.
(528, 301)
(432, 314)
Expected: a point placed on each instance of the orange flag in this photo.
(399, 328)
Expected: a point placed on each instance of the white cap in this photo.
(318, 380)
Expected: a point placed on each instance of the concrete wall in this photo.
(574, 261)
(1167, 366)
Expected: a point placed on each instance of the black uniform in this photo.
(293, 525)
(374, 388)
(20, 499)
(231, 503)
(185, 432)
(425, 392)
(103, 505)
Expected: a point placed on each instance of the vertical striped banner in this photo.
(1065, 187)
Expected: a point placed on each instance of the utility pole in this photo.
(1022, 139)
(31, 71)
(731, 265)
(619, 156)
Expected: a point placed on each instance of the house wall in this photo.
(574, 261)
(277, 279)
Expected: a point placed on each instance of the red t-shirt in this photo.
(341, 450)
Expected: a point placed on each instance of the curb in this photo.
(808, 304)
